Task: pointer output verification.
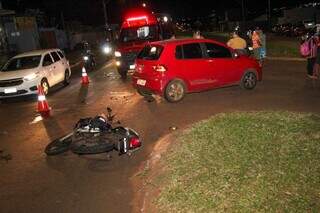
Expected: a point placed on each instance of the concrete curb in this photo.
(285, 59)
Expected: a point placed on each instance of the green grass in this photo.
(244, 162)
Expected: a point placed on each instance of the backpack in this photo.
(305, 48)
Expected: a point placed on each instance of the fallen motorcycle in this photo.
(96, 135)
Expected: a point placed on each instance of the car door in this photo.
(59, 69)
(48, 68)
(220, 64)
(193, 66)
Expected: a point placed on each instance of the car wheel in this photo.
(175, 91)
(66, 78)
(249, 80)
(45, 86)
(144, 93)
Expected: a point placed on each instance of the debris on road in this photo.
(5, 157)
(4, 133)
(173, 128)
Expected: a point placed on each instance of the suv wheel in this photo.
(66, 78)
(175, 91)
(249, 80)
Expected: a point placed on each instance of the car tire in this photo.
(249, 80)
(45, 86)
(67, 76)
(144, 93)
(175, 91)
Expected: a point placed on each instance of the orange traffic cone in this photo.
(85, 78)
(43, 106)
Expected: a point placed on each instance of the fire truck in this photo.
(139, 27)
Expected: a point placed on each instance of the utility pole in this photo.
(105, 13)
(243, 11)
(269, 13)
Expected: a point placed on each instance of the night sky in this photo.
(90, 11)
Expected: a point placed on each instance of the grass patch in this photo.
(245, 162)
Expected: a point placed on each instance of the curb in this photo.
(285, 59)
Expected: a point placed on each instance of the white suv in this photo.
(22, 73)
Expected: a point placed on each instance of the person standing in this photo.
(256, 45)
(263, 49)
(316, 69)
(311, 41)
(237, 43)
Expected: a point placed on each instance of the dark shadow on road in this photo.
(27, 98)
(83, 94)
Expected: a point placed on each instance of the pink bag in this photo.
(305, 49)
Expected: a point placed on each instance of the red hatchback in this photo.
(173, 68)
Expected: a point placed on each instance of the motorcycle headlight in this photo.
(30, 77)
(86, 58)
(107, 50)
(117, 54)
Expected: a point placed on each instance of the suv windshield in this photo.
(22, 63)
(139, 33)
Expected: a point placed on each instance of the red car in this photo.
(173, 68)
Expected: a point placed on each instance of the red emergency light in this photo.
(138, 18)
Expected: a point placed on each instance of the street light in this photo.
(144, 5)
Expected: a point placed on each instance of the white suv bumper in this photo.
(17, 87)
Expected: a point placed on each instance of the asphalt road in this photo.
(33, 182)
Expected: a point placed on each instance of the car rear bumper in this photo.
(155, 85)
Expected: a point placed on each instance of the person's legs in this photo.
(310, 66)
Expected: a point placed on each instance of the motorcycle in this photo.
(97, 135)
(89, 60)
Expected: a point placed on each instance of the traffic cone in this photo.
(43, 106)
(85, 78)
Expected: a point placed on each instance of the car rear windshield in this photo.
(145, 33)
(151, 52)
(22, 63)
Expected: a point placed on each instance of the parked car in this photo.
(173, 68)
(22, 73)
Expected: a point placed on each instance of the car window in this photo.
(151, 52)
(22, 63)
(192, 51)
(47, 60)
(55, 56)
(217, 51)
(179, 54)
(61, 54)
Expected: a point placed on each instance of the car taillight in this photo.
(160, 68)
(135, 143)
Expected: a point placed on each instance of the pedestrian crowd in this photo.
(256, 43)
(310, 49)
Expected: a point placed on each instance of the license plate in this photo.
(10, 90)
(141, 82)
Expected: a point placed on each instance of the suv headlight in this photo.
(30, 77)
(117, 54)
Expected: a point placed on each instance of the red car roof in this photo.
(185, 41)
